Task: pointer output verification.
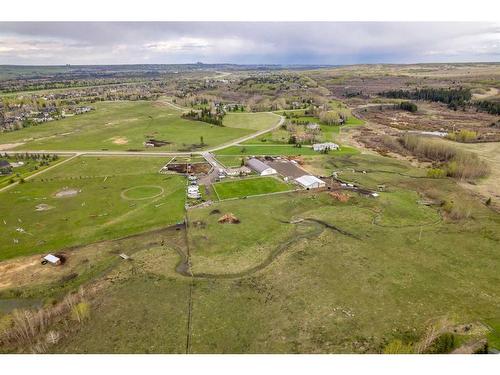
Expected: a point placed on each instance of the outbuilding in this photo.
(310, 182)
(325, 146)
(52, 259)
(260, 167)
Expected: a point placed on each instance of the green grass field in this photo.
(350, 277)
(250, 186)
(286, 150)
(100, 209)
(126, 125)
(251, 121)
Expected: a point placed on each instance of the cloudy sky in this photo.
(53, 43)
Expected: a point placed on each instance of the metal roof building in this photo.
(310, 182)
(260, 167)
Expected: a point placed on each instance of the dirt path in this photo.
(493, 91)
(317, 227)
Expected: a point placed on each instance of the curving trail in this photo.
(316, 228)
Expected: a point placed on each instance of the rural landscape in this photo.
(234, 208)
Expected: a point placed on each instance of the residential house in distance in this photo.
(325, 146)
(261, 168)
(310, 182)
(312, 126)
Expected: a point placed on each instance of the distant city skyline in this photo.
(287, 43)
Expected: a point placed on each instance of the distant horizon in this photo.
(257, 64)
(247, 43)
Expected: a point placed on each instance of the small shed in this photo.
(310, 182)
(52, 259)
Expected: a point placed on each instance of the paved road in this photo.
(76, 153)
(156, 153)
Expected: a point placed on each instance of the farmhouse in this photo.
(310, 182)
(260, 167)
(325, 146)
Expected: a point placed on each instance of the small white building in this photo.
(325, 146)
(52, 259)
(312, 126)
(260, 167)
(310, 182)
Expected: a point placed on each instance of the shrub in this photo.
(408, 106)
(81, 311)
(457, 211)
(463, 136)
(467, 165)
(436, 173)
(398, 347)
(443, 344)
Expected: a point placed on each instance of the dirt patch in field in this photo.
(119, 140)
(196, 168)
(228, 219)
(66, 192)
(339, 196)
(8, 146)
(43, 207)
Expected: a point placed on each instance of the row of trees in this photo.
(28, 156)
(454, 98)
(205, 115)
(492, 108)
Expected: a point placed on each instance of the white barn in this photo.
(260, 167)
(325, 146)
(310, 182)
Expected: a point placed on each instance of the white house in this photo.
(310, 182)
(325, 146)
(260, 167)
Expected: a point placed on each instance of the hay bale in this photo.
(339, 196)
(228, 219)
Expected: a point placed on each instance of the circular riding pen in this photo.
(142, 192)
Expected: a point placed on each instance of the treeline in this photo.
(493, 108)
(205, 115)
(454, 98)
(453, 161)
(28, 156)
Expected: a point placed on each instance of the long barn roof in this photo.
(257, 165)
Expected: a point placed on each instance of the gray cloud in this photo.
(247, 42)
